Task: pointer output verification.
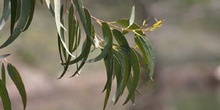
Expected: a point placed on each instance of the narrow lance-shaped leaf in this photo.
(25, 10)
(109, 70)
(120, 38)
(32, 8)
(60, 49)
(3, 73)
(136, 73)
(59, 25)
(147, 51)
(71, 39)
(71, 27)
(126, 69)
(133, 59)
(17, 9)
(77, 37)
(85, 57)
(4, 96)
(16, 78)
(79, 7)
(82, 57)
(88, 22)
(107, 34)
(6, 13)
(132, 17)
(4, 56)
(15, 12)
(74, 33)
(117, 71)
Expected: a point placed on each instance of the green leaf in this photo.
(81, 65)
(85, 51)
(107, 96)
(79, 7)
(109, 70)
(125, 24)
(123, 58)
(133, 59)
(91, 31)
(83, 56)
(107, 34)
(120, 38)
(23, 18)
(60, 47)
(136, 73)
(32, 7)
(3, 73)
(4, 96)
(117, 71)
(147, 51)
(71, 27)
(132, 17)
(4, 56)
(6, 13)
(16, 78)
(15, 13)
(88, 22)
(77, 36)
(59, 25)
(74, 30)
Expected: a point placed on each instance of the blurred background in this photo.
(187, 74)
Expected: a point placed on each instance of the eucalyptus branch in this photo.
(122, 62)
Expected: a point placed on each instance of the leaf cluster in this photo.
(17, 80)
(122, 61)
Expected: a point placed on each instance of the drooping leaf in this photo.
(74, 33)
(6, 13)
(71, 27)
(117, 71)
(4, 56)
(135, 77)
(32, 8)
(91, 31)
(81, 65)
(85, 50)
(25, 10)
(109, 70)
(123, 58)
(16, 78)
(107, 34)
(3, 73)
(107, 96)
(77, 35)
(79, 7)
(147, 51)
(88, 22)
(82, 57)
(4, 96)
(134, 62)
(15, 12)
(59, 25)
(120, 38)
